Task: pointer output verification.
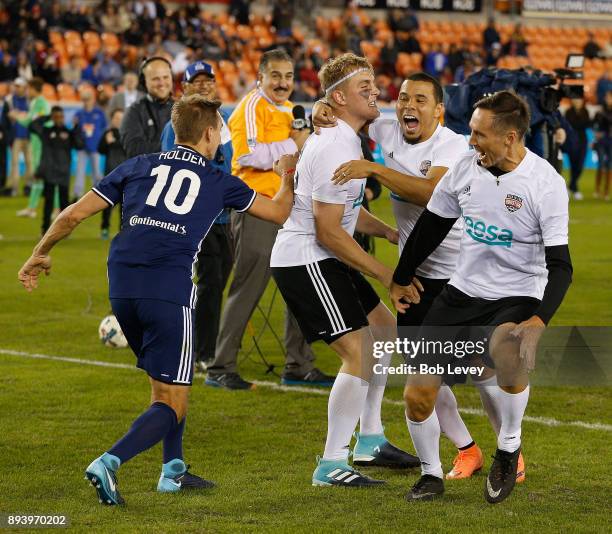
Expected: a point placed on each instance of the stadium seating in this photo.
(547, 46)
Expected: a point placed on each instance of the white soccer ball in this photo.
(111, 334)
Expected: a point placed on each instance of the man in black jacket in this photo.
(110, 146)
(54, 169)
(144, 120)
(6, 139)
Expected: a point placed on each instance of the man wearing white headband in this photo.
(318, 268)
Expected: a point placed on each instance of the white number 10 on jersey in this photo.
(162, 172)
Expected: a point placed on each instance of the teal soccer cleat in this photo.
(175, 476)
(339, 473)
(101, 474)
(374, 450)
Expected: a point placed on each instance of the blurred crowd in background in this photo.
(87, 54)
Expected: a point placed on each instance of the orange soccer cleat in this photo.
(466, 463)
(520, 469)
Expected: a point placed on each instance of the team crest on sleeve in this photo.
(513, 203)
(424, 167)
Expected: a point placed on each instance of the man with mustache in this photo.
(261, 132)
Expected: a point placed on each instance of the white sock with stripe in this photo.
(370, 421)
(512, 408)
(426, 439)
(346, 401)
(449, 418)
(489, 397)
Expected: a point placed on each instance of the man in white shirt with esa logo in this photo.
(513, 271)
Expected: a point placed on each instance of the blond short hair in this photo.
(191, 115)
(337, 68)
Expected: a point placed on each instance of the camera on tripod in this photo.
(551, 97)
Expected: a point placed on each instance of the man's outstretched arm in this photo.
(62, 227)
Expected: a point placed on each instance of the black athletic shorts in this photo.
(327, 298)
(466, 321)
(414, 315)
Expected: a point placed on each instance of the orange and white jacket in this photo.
(260, 135)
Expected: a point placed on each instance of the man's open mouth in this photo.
(411, 122)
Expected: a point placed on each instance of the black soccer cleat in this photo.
(231, 381)
(427, 488)
(373, 450)
(171, 482)
(502, 476)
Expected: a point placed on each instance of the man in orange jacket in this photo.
(261, 129)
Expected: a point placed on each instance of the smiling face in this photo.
(360, 94)
(276, 81)
(491, 145)
(417, 110)
(158, 79)
(202, 84)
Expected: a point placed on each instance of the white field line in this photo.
(546, 421)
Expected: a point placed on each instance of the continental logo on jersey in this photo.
(489, 234)
(424, 167)
(513, 203)
(147, 221)
(359, 200)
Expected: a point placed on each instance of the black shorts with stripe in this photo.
(459, 318)
(327, 298)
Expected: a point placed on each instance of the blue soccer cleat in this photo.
(101, 474)
(175, 476)
(339, 473)
(374, 450)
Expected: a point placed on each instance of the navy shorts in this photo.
(161, 335)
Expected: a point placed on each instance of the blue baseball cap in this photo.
(197, 68)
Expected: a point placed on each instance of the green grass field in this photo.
(260, 446)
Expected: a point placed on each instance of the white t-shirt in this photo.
(507, 224)
(441, 150)
(296, 243)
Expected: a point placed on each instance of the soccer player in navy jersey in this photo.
(170, 200)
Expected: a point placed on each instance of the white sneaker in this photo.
(578, 195)
(27, 212)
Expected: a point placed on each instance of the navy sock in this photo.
(149, 429)
(173, 442)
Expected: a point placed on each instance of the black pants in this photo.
(414, 315)
(48, 193)
(3, 148)
(106, 216)
(214, 267)
(577, 164)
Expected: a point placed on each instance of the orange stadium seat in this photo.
(110, 43)
(244, 32)
(71, 36)
(49, 92)
(4, 89)
(55, 37)
(66, 93)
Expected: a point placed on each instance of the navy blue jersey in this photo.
(169, 202)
